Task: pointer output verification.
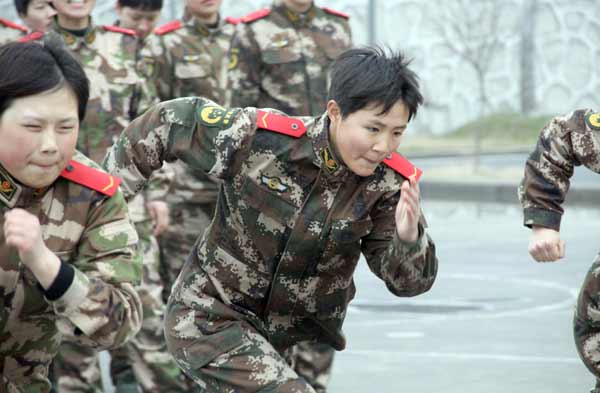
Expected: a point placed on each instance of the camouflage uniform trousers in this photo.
(144, 360)
(217, 348)
(188, 221)
(587, 321)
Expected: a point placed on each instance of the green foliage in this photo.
(507, 127)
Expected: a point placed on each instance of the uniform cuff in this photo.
(61, 283)
(540, 217)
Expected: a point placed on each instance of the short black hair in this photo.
(364, 76)
(21, 6)
(31, 68)
(145, 5)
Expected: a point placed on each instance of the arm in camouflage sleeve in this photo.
(159, 184)
(408, 269)
(243, 88)
(174, 130)
(101, 308)
(564, 143)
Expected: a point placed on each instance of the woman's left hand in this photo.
(408, 211)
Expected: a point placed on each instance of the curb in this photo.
(505, 193)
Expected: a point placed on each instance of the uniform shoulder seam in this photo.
(256, 15)
(168, 27)
(331, 11)
(118, 29)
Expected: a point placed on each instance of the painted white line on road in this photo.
(568, 302)
(392, 355)
(405, 334)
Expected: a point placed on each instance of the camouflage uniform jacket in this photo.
(282, 60)
(291, 221)
(192, 58)
(566, 142)
(92, 299)
(10, 31)
(108, 55)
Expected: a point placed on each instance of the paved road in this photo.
(494, 322)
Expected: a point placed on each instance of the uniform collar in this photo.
(14, 194)
(201, 27)
(75, 42)
(325, 157)
(297, 19)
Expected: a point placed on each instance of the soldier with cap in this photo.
(566, 142)
(300, 200)
(280, 58)
(68, 260)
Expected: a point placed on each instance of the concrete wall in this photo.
(566, 52)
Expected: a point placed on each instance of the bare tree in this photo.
(470, 30)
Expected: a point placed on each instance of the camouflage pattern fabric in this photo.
(282, 60)
(313, 362)
(287, 234)
(92, 234)
(566, 142)
(192, 202)
(144, 360)
(192, 60)
(9, 32)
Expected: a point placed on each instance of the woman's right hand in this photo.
(545, 245)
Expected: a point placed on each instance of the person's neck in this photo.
(73, 23)
(296, 8)
(209, 20)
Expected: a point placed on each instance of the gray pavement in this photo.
(495, 321)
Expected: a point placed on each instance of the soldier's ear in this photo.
(333, 111)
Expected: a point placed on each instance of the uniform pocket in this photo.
(267, 202)
(211, 345)
(280, 56)
(192, 67)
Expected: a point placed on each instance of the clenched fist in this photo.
(23, 231)
(545, 245)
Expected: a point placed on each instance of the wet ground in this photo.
(495, 321)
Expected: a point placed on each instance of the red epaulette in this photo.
(168, 27)
(232, 20)
(256, 15)
(403, 166)
(336, 13)
(91, 178)
(36, 35)
(118, 29)
(281, 124)
(13, 25)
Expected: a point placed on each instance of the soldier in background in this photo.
(280, 58)
(192, 61)
(301, 199)
(64, 272)
(566, 142)
(118, 93)
(36, 14)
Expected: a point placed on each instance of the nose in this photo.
(48, 143)
(383, 144)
